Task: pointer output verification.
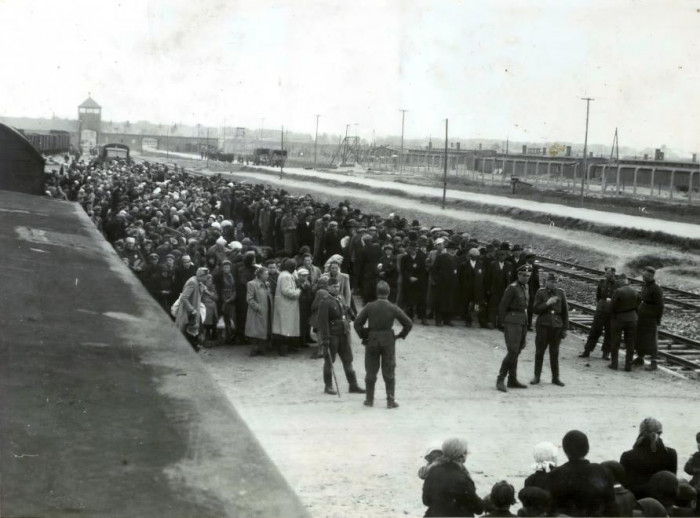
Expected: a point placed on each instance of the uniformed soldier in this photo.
(601, 317)
(650, 311)
(552, 312)
(624, 321)
(512, 319)
(381, 342)
(334, 335)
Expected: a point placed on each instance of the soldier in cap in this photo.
(512, 318)
(651, 309)
(552, 312)
(381, 342)
(334, 335)
(624, 321)
(601, 317)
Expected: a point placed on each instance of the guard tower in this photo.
(90, 119)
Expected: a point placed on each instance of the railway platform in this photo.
(105, 410)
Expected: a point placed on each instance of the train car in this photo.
(21, 164)
(111, 152)
(52, 143)
(279, 157)
(261, 156)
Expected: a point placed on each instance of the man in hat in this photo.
(414, 278)
(552, 312)
(512, 318)
(444, 279)
(624, 303)
(381, 342)
(601, 317)
(498, 276)
(387, 270)
(651, 309)
(334, 335)
(472, 279)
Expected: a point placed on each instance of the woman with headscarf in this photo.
(333, 271)
(545, 454)
(649, 455)
(285, 323)
(244, 273)
(448, 489)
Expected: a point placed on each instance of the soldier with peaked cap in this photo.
(380, 349)
(651, 309)
(512, 318)
(334, 335)
(552, 312)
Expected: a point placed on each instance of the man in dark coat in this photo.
(368, 260)
(624, 321)
(649, 455)
(602, 316)
(512, 318)
(651, 309)
(444, 276)
(414, 278)
(305, 231)
(579, 487)
(552, 312)
(387, 270)
(380, 349)
(471, 282)
(498, 277)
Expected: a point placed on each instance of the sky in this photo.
(496, 69)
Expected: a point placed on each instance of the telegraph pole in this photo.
(282, 154)
(207, 147)
(403, 118)
(585, 145)
(316, 143)
(262, 126)
(444, 177)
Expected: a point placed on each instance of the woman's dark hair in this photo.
(289, 265)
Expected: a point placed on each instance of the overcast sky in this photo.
(494, 68)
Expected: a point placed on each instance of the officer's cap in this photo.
(525, 268)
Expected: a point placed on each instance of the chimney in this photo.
(457, 146)
(658, 154)
(695, 157)
(524, 150)
(430, 145)
(568, 150)
(544, 150)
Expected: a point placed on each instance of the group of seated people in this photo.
(643, 482)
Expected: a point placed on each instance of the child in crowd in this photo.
(502, 497)
(536, 501)
(433, 453)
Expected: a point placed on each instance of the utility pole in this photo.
(207, 147)
(403, 118)
(316, 143)
(585, 146)
(262, 126)
(282, 154)
(444, 177)
(167, 143)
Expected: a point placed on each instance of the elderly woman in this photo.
(649, 455)
(258, 323)
(188, 317)
(448, 489)
(285, 323)
(210, 299)
(545, 454)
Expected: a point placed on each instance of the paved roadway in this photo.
(105, 410)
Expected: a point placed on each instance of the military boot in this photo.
(328, 382)
(500, 385)
(354, 387)
(390, 400)
(369, 399)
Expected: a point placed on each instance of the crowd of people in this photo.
(259, 260)
(643, 482)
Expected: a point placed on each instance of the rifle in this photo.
(330, 360)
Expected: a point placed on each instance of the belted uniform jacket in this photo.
(556, 315)
(513, 306)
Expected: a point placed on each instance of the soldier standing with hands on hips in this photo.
(512, 319)
(552, 312)
(380, 341)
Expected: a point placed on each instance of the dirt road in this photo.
(344, 459)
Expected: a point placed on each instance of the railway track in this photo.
(677, 353)
(674, 296)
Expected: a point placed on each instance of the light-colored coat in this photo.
(286, 313)
(189, 301)
(259, 301)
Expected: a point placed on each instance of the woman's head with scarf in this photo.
(545, 455)
(455, 450)
(649, 431)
